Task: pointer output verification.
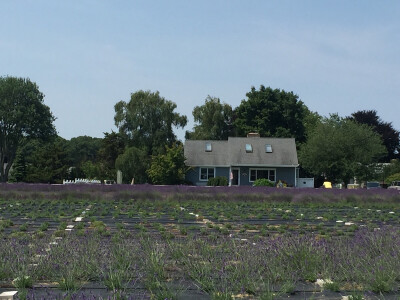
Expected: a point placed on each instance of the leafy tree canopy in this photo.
(340, 149)
(147, 119)
(168, 168)
(272, 113)
(112, 145)
(38, 162)
(82, 149)
(392, 168)
(23, 115)
(390, 136)
(133, 163)
(214, 121)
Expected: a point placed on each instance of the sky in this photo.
(86, 55)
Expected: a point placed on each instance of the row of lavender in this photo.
(146, 191)
(368, 261)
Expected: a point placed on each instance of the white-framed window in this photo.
(249, 148)
(208, 147)
(206, 173)
(268, 148)
(262, 173)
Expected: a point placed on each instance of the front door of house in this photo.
(235, 177)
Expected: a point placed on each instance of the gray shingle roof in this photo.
(233, 152)
(196, 155)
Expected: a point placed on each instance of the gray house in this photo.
(242, 160)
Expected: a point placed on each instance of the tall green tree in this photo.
(133, 163)
(82, 149)
(272, 113)
(23, 115)
(112, 145)
(390, 136)
(148, 120)
(214, 121)
(168, 168)
(341, 149)
(18, 171)
(46, 162)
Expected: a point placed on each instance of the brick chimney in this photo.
(253, 135)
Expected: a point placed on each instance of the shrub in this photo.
(217, 181)
(393, 177)
(263, 182)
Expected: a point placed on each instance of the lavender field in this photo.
(181, 242)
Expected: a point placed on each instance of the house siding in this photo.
(287, 174)
(222, 171)
(193, 175)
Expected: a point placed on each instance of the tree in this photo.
(214, 121)
(82, 149)
(272, 113)
(147, 120)
(340, 149)
(23, 115)
(168, 168)
(390, 136)
(48, 162)
(18, 171)
(112, 145)
(391, 170)
(133, 163)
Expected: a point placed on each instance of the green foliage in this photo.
(390, 136)
(133, 163)
(82, 149)
(332, 286)
(147, 120)
(49, 164)
(68, 283)
(41, 162)
(23, 115)
(23, 282)
(217, 181)
(19, 170)
(214, 121)
(112, 145)
(168, 168)
(263, 182)
(341, 149)
(391, 170)
(393, 177)
(272, 113)
(91, 170)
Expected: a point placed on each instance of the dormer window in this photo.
(249, 148)
(268, 148)
(208, 147)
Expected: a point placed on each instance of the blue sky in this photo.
(337, 56)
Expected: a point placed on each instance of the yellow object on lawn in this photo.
(327, 185)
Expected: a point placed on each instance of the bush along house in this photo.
(242, 160)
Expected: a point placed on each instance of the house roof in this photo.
(196, 155)
(233, 152)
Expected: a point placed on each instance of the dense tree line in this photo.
(146, 149)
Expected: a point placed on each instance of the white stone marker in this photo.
(8, 295)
